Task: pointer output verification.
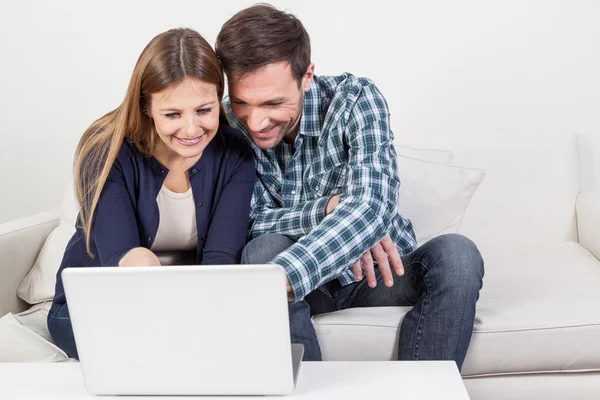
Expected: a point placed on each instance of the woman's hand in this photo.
(139, 257)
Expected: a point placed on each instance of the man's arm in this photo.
(366, 206)
(295, 221)
(385, 253)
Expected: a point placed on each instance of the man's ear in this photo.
(308, 77)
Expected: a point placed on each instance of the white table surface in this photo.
(364, 380)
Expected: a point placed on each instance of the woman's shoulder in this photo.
(128, 154)
(130, 162)
(235, 145)
(127, 150)
(234, 138)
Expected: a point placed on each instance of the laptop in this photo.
(183, 330)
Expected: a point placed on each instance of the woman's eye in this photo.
(172, 115)
(204, 110)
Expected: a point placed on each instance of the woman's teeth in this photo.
(189, 141)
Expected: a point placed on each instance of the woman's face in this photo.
(186, 117)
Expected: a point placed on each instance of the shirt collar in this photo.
(310, 122)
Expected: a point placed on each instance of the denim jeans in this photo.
(441, 282)
(59, 325)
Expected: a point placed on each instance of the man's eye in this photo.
(273, 104)
(172, 115)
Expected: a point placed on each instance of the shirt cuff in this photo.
(301, 268)
(314, 212)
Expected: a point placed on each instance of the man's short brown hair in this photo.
(261, 35)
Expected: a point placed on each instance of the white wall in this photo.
(472, 67)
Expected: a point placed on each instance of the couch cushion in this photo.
(435, 196)
(24, 337)
(527, 199)
(538, 311)
(38, 285)
(433, 155)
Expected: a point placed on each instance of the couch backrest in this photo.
(527, 199)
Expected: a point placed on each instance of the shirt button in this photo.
(199, 204)
(194, 170)
(203, 237)
(318, 188)
(150, 238)
(293, 192)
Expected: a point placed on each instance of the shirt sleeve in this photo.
(228, 227)
(115, 227)
(294, 222)
(367, 204)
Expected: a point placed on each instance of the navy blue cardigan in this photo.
(127, 214)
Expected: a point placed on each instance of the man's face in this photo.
(268, 103)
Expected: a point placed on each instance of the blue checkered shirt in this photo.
(344, 146)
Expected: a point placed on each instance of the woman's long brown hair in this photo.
(166, 61)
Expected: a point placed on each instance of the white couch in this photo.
(537, 329)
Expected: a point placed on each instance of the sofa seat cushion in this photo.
(24, 337)
(538, 311)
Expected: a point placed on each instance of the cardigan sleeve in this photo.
(228, 227)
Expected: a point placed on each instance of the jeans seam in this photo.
(424, 305)
(54, 316)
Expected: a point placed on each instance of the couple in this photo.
(308, 160)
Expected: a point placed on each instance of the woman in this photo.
(161, 174)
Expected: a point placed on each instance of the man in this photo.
(325, 204)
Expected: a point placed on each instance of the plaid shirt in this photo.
(344, 146)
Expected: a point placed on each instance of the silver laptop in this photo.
(183, 330)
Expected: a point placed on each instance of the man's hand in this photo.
(384, 252)
(290, 291)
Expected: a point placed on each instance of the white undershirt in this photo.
(177, 229)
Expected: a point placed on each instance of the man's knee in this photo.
(457, 260)
(264, 248)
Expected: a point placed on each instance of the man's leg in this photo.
(262, 250)
(442, 280)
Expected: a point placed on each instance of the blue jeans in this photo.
(59, 325)
(441, 282)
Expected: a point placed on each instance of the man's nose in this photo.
(257, 119)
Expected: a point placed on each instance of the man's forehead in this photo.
(257, 89)
(279, 73)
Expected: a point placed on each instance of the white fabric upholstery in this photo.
(588, 221)
(527, 199)
(20, 244)
(538, 312)
(433, 155)
(554, 386)
(38, 285)
(435, 196)
(24, 337)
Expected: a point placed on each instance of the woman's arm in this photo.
(115, 228)
(229, 224)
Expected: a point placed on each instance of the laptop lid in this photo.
(182, 330)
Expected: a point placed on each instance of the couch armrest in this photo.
(588, 221)
(20, 243)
